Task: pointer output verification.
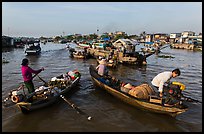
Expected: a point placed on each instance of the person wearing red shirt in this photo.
(27, 75)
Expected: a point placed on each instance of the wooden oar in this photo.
(46, 84)
(74, 106)
(35, 75)
(70, 103)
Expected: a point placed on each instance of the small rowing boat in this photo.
(46, 94)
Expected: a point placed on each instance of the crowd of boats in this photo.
(121, 51)
(141, 96)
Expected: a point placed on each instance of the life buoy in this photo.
(15, 98)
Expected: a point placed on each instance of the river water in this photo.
(108, 113)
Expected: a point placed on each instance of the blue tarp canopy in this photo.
(150, 43)
(106, 39)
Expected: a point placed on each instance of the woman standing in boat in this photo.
(102, 69)
(27, 75)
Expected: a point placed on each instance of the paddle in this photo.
(46, 84)
(70, 103)
(35, 75)
(74, 106)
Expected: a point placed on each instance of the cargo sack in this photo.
(142, 91)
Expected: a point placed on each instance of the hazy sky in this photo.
(63, 18)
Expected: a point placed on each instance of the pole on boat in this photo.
(74, 106)
(42, 80)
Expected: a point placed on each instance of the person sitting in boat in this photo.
(27, 75)
(110, 56)
(102, 68)
(85, 50)
(161, 81)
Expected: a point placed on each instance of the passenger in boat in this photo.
(27, 75)
(110, 55)
(162, 80)
(102, 68)
(124, 50)
(157, 48)
(85, 50)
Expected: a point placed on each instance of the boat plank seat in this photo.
(155, 99)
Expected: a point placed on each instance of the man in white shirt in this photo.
(164, 77)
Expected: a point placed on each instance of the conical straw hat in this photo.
(103, 61)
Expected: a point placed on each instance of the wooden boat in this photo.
(148, 50)
(96, 52)
(143, 104)
(83, 44)
(47, 94)
(182, 46)
(133, 58)
(78, 54)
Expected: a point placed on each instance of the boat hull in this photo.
(32, 52)
(141, 104)
(27, 107)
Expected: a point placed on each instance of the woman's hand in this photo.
(160, 94)
(42, 69)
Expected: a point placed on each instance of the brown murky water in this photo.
(107, 112)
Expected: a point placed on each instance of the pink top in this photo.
(101, 69)
(27, 72)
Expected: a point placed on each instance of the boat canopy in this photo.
(123, 42)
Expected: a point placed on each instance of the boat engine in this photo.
(175, 89)
(174, 93)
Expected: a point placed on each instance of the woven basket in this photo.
(142, 91)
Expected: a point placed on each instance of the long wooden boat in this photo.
(127, 58)
(79, 54)
(143, 104)
(47, 94)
